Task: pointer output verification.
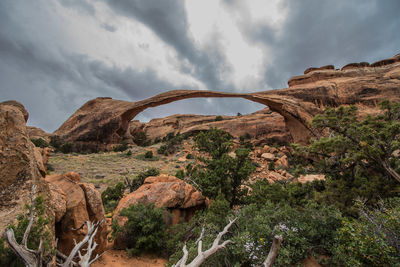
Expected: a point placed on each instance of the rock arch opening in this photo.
(201, 107)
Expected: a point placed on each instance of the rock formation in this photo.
(180, 198)
(76, 203)
(36, 133)
(103, 121)
(263, 124)
(20, 166)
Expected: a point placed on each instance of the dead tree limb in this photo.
(273, 252)
(84, 260)
(202, 256)
(30, 257)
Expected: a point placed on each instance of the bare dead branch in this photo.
(202, 256)
(31, 217)
(85, 259)
(273, 252)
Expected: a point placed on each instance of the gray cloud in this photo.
(319, 33)
(54, 80)
(108, 27)
(80, 5)
(52, 85)
(168, 20)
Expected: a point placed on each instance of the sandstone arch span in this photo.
(105, 120)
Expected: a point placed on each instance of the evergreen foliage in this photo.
(145, 229)
(222, 174)
(38, 231)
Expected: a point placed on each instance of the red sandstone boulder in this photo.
(180, 198)
(282, 162)
(310, 177)
(18, 164)
(83, 203)
(59, 202)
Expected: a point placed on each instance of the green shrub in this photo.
(140, 139)
(121, 147)
(215, 142)
(38, 231)
(139, 178)
(293, 194)
(222, 174)
(357, 158)
(56, 142)
(172, 143)
(162, 149)
(189, 156)
(219, 118)
(148, 154)
(372, 240)
(111, 195)
(39, 142)
(66, 148)
(129, 153)
(144, 231)
(180, 174)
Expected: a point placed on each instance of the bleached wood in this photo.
(202, 256)
(273, 252)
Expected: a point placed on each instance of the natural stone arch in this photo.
(105, 120)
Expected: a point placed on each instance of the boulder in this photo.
(83, 203)
(282, 162)
(273, 176)
(59, 202)
(268, 156)
(310, 177)
(180, 198)
(18, 164)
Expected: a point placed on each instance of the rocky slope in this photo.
(103, 121)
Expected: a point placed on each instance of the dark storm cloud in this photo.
(168, 20)
(53, 83)
(318, 33)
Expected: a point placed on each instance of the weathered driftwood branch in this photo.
(202, 256)
(30, 257)
(273, 252)
(84, 260)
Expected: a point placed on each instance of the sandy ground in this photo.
(119, 258)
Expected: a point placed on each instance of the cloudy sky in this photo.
(57, 54)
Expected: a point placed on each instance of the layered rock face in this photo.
(180, 198)
(263, 124)
(21, 165)
(74, 204)
(106, 121)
